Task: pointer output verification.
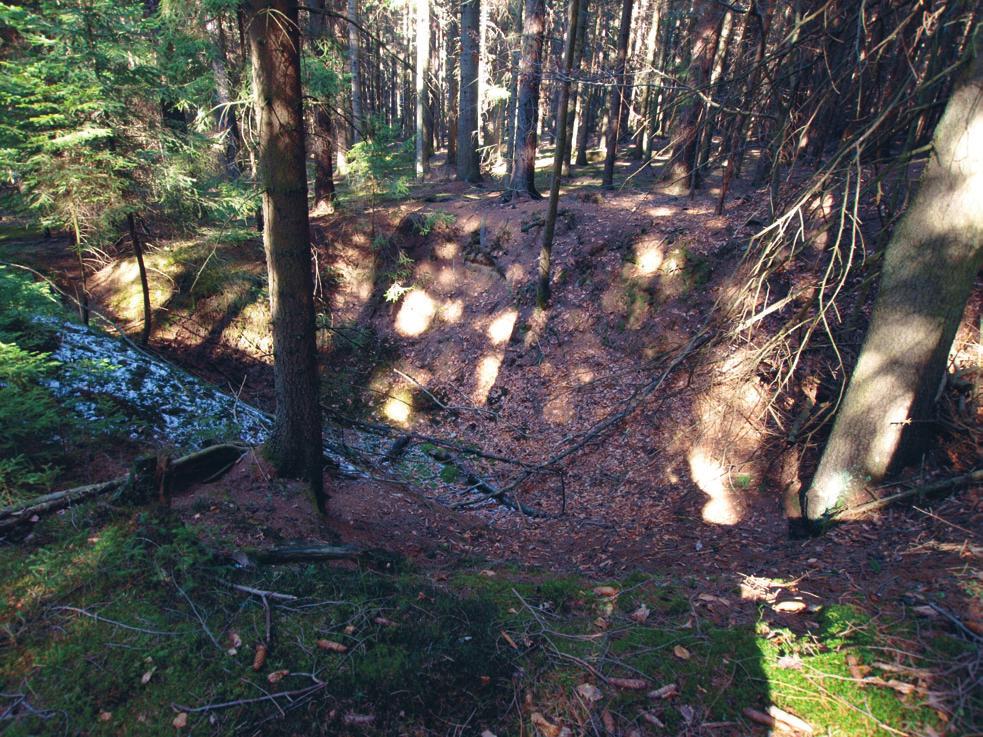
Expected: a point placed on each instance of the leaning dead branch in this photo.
(933, 489)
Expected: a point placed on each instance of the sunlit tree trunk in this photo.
(422, 94)
(468, 165)
(294, 446)
(527, 112)
(144, 284)
(930, 265)
(453, 47)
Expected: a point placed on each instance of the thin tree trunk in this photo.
(468, 163)
(575, 91)
(617, 95)
(559, 156)
(930, 265)
(294, 446)
(225, 116)
(144, 285)
(323, 148)
(514, 80)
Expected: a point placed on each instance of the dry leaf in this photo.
(601, 623)
(666, 692)
(488, 733)
(652, 719)
(485, 680)
(358, 720)
(856, 670)
(105, 716)
(487, 573)
(589, 692)
(791, 606)
(609, 724)
(925, 611)
(631, 684)
(234, 640)
(641, 614)
(277, 676)
(791, 662)
(260, 658)
(384, 622)
(145, 678)
(332, 646)
(509, 640)
(181, 720)
(688, 713)
(545, 727)
(681, 652)
(606, 591)
(789, 720)
(350, 629)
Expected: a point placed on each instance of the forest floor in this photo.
(433, 350)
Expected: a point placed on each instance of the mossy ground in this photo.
(478, 648)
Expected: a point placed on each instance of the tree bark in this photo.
(527, 113)
(294, 445)
(468, 165)
(324, 153)
(422, 8)
(354, 68)
(225, 116)
(681, 169)
(930, 265)
(144, 285)
(453, 50)
(559, 155)
(617, 95)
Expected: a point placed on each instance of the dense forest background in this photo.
(578, 354)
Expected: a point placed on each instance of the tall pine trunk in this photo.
(617, 95)
(468, 165)
(931, 262)
(354, 68)
(527, 111)
(422, 8)
(294, 446)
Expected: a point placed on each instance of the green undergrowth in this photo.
(116, 623)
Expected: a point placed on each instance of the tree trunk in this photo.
(515, 41)
(559, 155)
(617, 95)
(422, 93)
(453, 48)
(144, 285)
(681, 169)
(527, 112)
(468, 165)
(294, 445)
(929, 268)
(225, 116)
(576, 94)
(323, 148)
(355, 69)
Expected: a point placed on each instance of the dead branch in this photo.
(939, 487)
(204, 465)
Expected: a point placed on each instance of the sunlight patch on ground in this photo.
(648, 257)
(399, 407)
(415, 314)
(500, 329)
(446, 250)
(661, 211)
(515, 273)
(485, 377)
(711, 477)
(451, 311)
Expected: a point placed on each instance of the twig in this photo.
(194, 609)
(113, 622)
(243, 702)
(263, 594)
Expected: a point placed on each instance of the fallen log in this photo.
(319, 554)
(141, 484)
